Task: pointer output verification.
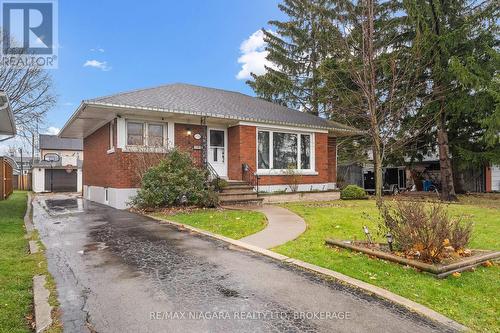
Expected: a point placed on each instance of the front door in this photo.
(217, 150)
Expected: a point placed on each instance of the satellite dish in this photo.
(51, 157)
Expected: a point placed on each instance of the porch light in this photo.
(188, 132)
(390, 240)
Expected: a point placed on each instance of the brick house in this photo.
(227, 130)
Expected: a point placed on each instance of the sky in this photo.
(107, 47)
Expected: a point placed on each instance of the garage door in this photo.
(62, 181)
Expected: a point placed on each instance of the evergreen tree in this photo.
(297, 49)
(458, 45)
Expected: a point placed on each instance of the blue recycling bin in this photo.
(427, 185)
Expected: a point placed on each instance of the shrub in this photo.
(424, 230)
(165, 184)
(293, 177)
(353, 192)
(218, 183)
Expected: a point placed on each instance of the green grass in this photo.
(234, 224)
(472, 299)
(17, 268)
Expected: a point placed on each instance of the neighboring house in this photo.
(60, 168)
(25, 164)
(426, 170)
(493, 178)
(222, 128)
(7, 131)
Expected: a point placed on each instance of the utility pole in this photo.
(32, 149)
(22, 173)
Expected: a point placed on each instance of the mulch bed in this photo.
(453, 264)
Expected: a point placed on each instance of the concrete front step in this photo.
(237, 188)
(237, 196)
(252, 201)
(237, 182)
(238, 192)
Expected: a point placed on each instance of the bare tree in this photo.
(373, 78)
(145, 158)
(30, 92)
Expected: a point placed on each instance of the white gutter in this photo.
(5, 107)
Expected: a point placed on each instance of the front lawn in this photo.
(17, 268)
(234, 224)
(471, 299)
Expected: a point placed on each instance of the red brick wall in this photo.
(332, 159)
(117, 169)
(187, 142)
(99, 168)
(241, 149)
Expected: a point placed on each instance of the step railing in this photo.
(213, 177)
(250, 176)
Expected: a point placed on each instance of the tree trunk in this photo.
(377, 171)
(370, 77)
(446, 171)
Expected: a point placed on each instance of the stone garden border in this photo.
(437, 270)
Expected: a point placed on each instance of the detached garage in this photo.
(57, 180)
(60, 168)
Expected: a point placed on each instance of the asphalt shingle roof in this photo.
(185, 98)
(57, 143)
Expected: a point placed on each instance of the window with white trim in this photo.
(146, 134)
(283, 150)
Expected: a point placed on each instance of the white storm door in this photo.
(217, 150)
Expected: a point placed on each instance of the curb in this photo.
(28, 223)
(43, 318)
(390, 296)
(42, 308)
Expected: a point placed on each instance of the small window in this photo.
(106, 195)
(216, 138)
(155, 135)
(135, 134)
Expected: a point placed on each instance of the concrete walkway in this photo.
(283, 226)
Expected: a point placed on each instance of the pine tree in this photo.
(458, 46)
(297, 47)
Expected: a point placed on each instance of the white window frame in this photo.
(271, 171)
(145, 135)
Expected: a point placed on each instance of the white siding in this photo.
(495, 178)
(38, 180)
(117, 197)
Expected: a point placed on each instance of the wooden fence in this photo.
(22, 183)
(6, 187)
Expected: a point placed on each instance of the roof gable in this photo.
(56, 143)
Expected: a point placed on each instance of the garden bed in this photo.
(442, 270)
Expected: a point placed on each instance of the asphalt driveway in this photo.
(121, 272)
